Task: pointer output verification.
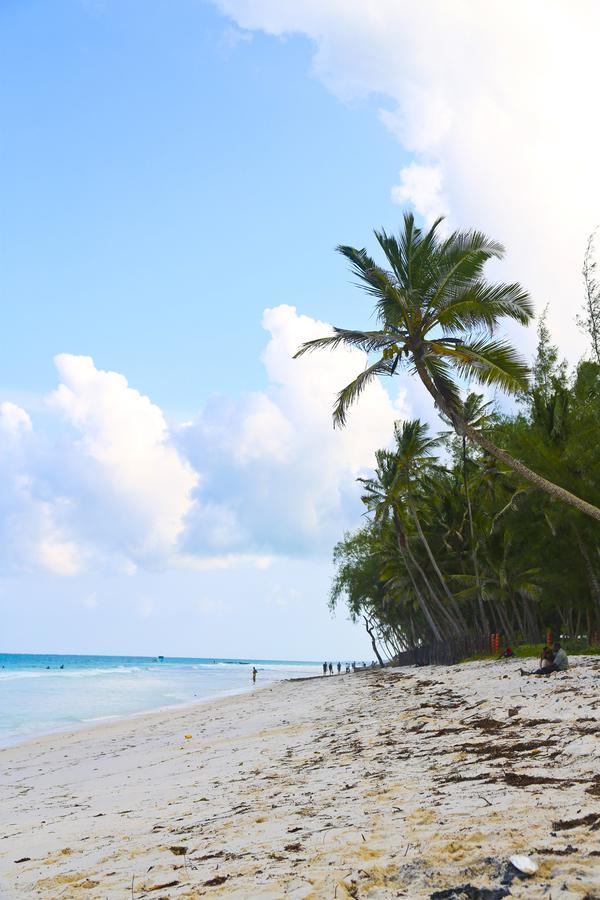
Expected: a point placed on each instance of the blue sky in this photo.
(163, 181)
(174, 178)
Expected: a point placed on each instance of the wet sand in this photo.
(396, 783)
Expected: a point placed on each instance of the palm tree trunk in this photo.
(401, 542)
(485, 625)
(589, 569)
(434, 597)
(436, 569)
(369, 628)
(554, 490)
(462, 428)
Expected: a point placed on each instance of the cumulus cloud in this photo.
(421, 186)
(122, 463)
(275, 476)
(107, 484)
(496, 103)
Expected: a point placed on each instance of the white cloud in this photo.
(275, 476)
(131, 488)
(421, 187)
(499, 97)
(13, 420)
(110, 486)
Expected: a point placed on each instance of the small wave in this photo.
(70, 673)
(100, 718)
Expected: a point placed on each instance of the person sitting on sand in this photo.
(561, 660)
(545, 655)
(551, 662)
(507, 653)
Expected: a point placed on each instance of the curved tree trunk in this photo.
(451, 598)
(589, 570)
(539, 481)
(434, 597)
(463, 428)
(401, 540)
(369, 628)
(485, 625)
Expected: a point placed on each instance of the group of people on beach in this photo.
(552, 659)
(328, 667)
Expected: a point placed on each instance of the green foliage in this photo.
(459, 544)
(437, 314)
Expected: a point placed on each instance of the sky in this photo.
(174, 179)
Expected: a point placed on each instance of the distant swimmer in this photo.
(254, 674)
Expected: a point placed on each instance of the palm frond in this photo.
(487, 361)
(363, 340)
(350, 394)
(482, 305)
(459, 262)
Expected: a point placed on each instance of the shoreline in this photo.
(15, 740)
(400, 783)
(92, 724)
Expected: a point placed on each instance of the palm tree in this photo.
(381, 498)
(413, 463)
(437, 314)
(476, 414)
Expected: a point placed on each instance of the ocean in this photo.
(40, 694)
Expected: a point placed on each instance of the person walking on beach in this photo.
(254, 674)
(324, 668)
(339, 668)
(331, 668)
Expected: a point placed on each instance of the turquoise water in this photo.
(37, 696)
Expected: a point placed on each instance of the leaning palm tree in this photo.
(414, 462)
(382, 500)
(437, 314)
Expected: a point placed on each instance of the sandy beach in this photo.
(395, 783)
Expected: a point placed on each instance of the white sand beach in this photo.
(395, 783)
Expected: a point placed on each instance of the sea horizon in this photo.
(44, 693)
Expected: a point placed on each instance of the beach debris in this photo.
(178, 851)
(516, 779)
(166, 884)
(187, 737)
(524, 864)
(556, 851)
(216, 881)
(593, 819)
(470, 892)
(23, 859)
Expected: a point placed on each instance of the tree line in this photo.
(490, 525)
